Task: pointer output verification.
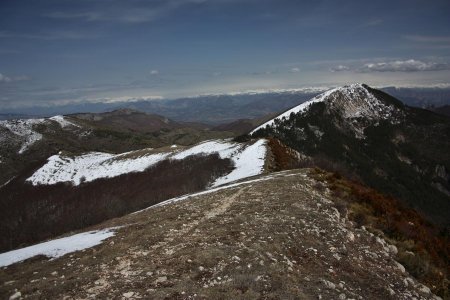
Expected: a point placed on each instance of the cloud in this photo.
(339, 68)
(125, 15)
(427, 38)
(56, 35)
(262, 73)
(295, 70)
(88, 16)
(154, 72)
(4, 78)
(7, 79)
(131, 11)
(404, 66)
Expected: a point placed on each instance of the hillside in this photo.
(70, 192)
(366, 134)
(280, 236)
(443, 110)
(129, 120)
(26, 143)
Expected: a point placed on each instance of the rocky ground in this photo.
(275, 237)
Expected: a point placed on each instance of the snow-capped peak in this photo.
(351, 101)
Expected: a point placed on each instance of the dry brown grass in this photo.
(423, 248)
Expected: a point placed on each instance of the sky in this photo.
(55, 52)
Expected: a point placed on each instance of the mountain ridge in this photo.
(388, 145)
(292, 242)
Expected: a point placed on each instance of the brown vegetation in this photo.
(284, 157)
(423, 248)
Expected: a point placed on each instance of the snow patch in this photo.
(63, 122)
(248, 161)
(225, 149)
(91, 166)
(24, 129)
(59, 247)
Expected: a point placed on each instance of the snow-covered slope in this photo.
(58, 247)
(91, 166)
(24, 130)
(63, 122)
(248, 160)
(351, 102)
(297, 109)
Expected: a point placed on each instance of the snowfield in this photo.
(57, 248)
(248, 160)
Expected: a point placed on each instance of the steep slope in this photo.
(274, 237)
(367, 134)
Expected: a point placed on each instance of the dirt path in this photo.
(223, 206)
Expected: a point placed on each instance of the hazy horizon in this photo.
(59, 52)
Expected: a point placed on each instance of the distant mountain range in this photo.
(226, 108)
